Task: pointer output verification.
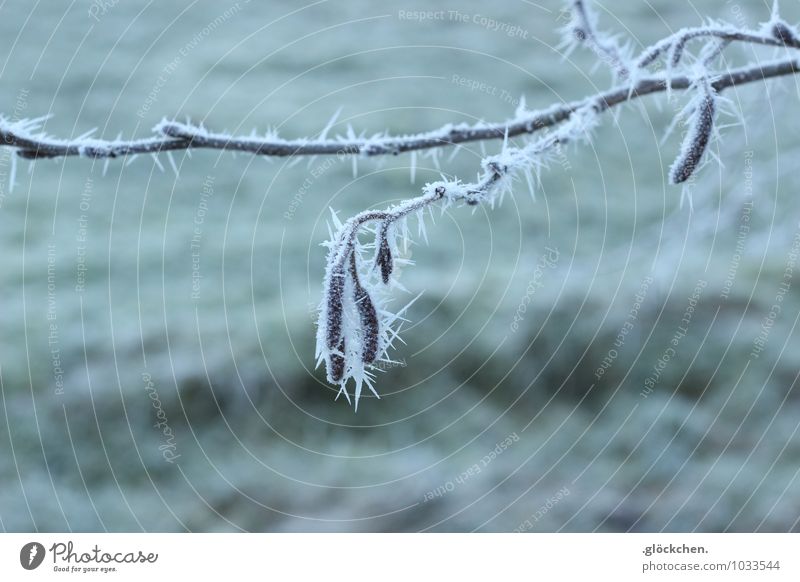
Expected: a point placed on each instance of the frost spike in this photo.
(696, 141)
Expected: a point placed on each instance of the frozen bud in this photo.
(334, 297)
(370, 327)
(784, 33)
(383, 259)
(696, 141)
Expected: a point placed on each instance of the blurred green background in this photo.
(199, 290)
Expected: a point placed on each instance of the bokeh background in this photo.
(518, 402)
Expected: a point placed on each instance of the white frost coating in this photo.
(28, 134)
(349, 141)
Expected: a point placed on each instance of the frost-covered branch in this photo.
(27, 137)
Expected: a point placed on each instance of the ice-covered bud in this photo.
(784, 33)
(334, 307)
(368, 316)
(383, 258)
(369, 325)
(701, 125)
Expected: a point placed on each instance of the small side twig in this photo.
(584, 30)
(675, 44)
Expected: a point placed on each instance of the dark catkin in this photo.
(782, 32)
(369, 325)
(696, 141)
(368, 315)
(334, 307)
(336, 366)
(383, 259)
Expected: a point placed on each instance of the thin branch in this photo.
(676, 43)
(583, 29)
(181, 136)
